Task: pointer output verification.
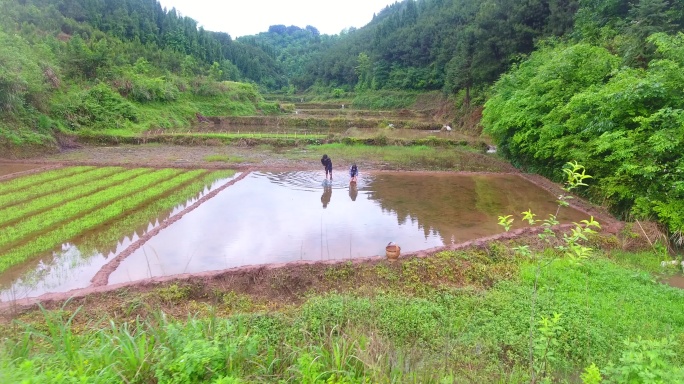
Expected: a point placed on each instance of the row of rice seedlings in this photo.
(31, 207)
(252, 135)
(54, 238)
(35, 179)
(53, 186)
(74, 208)
(109, 237)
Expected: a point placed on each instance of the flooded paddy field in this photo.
(280, 217)
(289, 216)
(57, 228)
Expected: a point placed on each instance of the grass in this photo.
(33, 180)
(408, 157)
(224, 158)
(454, 317)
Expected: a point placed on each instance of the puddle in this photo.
(281, 217)
(9, 168)
(676, 281)
(76, 262)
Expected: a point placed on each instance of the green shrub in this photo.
(99, 107)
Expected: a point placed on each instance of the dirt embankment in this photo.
(281, 285)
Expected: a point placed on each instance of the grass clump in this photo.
(224, 158)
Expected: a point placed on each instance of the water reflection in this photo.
(277, 217)
(353, 191)
(327, 195)
(76, 262)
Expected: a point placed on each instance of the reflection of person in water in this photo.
(327, 194)
(353, 191)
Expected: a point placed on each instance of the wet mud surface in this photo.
(10, 170)
(675, 281)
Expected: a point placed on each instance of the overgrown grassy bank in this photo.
(417, 157)
(460, 316)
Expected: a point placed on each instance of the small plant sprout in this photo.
(575, 251)
(575, 178)
(506, 222)
(523, 250)
(529, 217)
(546, 344)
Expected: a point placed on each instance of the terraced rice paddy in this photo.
(80, 227)
(96, 208)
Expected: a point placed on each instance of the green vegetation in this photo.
(55, 218)
(23, 208)
(419, 320)
(60, 75)
(596, 82)
(20, 183)
(18, 196)
(224, 158)
(158, 209)
(624, 123)
(410, 157)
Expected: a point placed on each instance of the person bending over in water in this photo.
(353, 172)
(327, 163)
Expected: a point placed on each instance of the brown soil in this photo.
(28, 172)
(298, 276)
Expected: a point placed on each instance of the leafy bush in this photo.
(99, 107)
(146, 89)
(626, 124)
(646, 361)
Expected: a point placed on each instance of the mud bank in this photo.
(257, 278)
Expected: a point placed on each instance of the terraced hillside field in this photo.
(97, 205)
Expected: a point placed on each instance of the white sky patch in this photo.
(250, 17)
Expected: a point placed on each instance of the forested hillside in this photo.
(73, 65)
(439, 45)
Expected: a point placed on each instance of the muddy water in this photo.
(268, 128)
(76, 262)
(676, 281)
(282, 217)
(7, 168)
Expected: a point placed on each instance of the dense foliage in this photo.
(626, 124)
(438, 44)
(85, 65)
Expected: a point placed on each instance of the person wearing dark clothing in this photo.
(327, 163)
(353, 173)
